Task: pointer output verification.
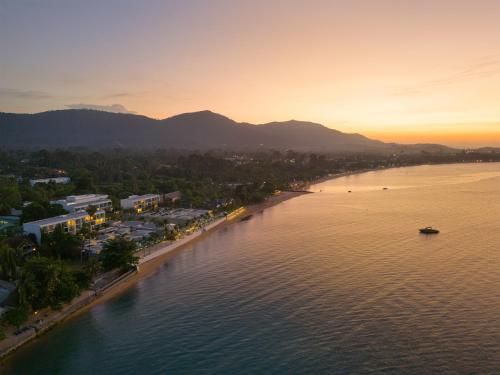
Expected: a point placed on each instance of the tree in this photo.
(92, 267)
(55, 210)
(83, 181)
(85, 234)
(119, 253)
(91, 210)
(61, 244)
(16, 316)
(9, 259)
(41, 210)
(170, 234)
(10, 197)
(34, 211)
(48, 283)
(26, 289)
(87, 230)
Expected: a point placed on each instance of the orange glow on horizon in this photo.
(350, 65)
(459, 139)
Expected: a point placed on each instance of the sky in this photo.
(397, 70)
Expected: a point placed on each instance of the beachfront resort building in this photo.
(141, 203)
(79, 203)
(71, 223)
(56, 180)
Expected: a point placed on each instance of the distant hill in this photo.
(192, 131)
(489, 150)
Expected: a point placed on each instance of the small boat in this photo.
(349, 191)
(386, 188)
(428, 230)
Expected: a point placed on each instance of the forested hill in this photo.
(192, 131)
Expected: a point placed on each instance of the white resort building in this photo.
(71, 223)
(78, 203)
(56, 180)
(141, 203)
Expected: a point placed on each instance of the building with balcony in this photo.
(71, 223)
(141, 203)
(79, 203)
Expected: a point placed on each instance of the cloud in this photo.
(118, 95)
(485, 68)
(117, 108)
(24, 94)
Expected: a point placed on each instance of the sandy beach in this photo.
(149, 267)
(79, 305)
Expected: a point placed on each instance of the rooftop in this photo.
(61, 218)
(145, 196)
(75, 199)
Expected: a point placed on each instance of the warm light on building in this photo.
(141, 203)
(71, 223)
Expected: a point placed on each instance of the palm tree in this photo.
(87, 230)
(8, 261)
(25, 289)
(92, 267)
(91, 210)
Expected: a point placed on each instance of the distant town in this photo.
(75, 222)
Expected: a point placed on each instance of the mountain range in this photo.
(190, 131)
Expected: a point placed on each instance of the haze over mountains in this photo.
(191, 131)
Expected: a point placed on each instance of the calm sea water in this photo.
(328, 283)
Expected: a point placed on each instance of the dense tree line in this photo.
(58, 273)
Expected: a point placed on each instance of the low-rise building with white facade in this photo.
(71, 223)
(78, 203)
(141, 203)
(56, 180)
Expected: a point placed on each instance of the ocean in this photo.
(326, 283)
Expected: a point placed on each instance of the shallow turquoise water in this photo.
(327, 283)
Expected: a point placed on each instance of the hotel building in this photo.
(57, 180)
(71, 223)
(140, 203)
(79, 203)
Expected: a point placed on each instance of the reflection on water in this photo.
(326, 283)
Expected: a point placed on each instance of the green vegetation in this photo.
(10, 259)
(10, 196)
(205, 180)
(41, 210)
(16, 316)
(119, 253)
(57, 271)
(61, 245)
(46, 283)
(42, 281)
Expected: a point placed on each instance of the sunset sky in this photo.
(396, 70)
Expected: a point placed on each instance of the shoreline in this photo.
(87, 300)
(150, 263)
